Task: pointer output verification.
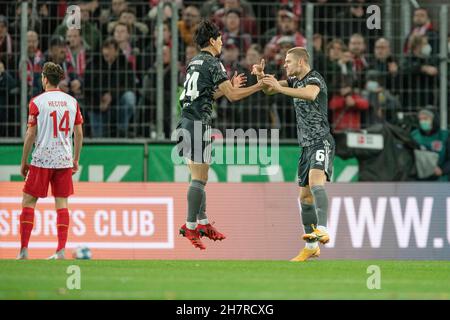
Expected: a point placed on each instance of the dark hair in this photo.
(205, 31)
(233, 10)
(57, 41)
(110, 41)
(53, 72)
(128, 10)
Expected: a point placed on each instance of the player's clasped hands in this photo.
(270, 81)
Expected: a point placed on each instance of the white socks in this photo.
(191, 225)
(312, 245)
(323, 229)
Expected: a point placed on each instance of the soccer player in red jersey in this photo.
(53, 117)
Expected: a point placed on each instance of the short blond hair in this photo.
(300, 52)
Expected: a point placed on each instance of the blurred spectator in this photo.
(34, 21)
(190, 52)
(122, 36)
(167, 9)
(34, 64)
(419, 74)
(109, 84)
(148, 97)
(287, 25)
(337, 64)
(357, 47)
(353, 19)
(75, 51)
(138, 30)
(57, 54)
(284, 43)
(230, 57)
(248, 21)
(253, 112)
(385, 64)
(112, 13)
(318, 53)
(8, 111)
(383, 105)
(346, 107)
(147, 59)
(6, 43)
(91, 35)
(232, 29)
(190, 18)
(324, 13)
(422, 26)
(430, 137)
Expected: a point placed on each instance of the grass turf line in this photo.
(188, 279)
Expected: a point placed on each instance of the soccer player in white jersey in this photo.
(53, 117)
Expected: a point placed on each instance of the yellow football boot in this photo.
(306, 254)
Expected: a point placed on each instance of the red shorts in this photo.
(38, 179)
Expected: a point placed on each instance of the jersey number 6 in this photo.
(320, 155)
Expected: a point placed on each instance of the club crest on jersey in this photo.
(436, 145)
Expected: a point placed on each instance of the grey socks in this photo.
(195, 197)
(321, 204)
(309, 216)
(202, 213)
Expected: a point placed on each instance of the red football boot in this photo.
(193, 236)
(207, 230)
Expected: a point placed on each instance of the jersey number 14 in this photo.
(63, 124)
(190, 86)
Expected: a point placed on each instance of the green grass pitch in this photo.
(266, 280)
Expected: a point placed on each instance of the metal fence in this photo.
(373, 75)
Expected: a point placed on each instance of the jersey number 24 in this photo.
(190, 86)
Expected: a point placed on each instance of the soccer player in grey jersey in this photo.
(309, 92)
(206, 80)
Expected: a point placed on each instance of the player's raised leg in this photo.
(199, 175)
(26, 224)
(309, 220)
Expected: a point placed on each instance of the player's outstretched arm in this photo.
(309, 92)
(78, 142)
(235, 94)
(30, 137)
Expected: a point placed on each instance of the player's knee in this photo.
(28, 201)
(307, 198)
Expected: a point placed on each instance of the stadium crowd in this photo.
(110, 65)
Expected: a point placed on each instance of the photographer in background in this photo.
(431, 138)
